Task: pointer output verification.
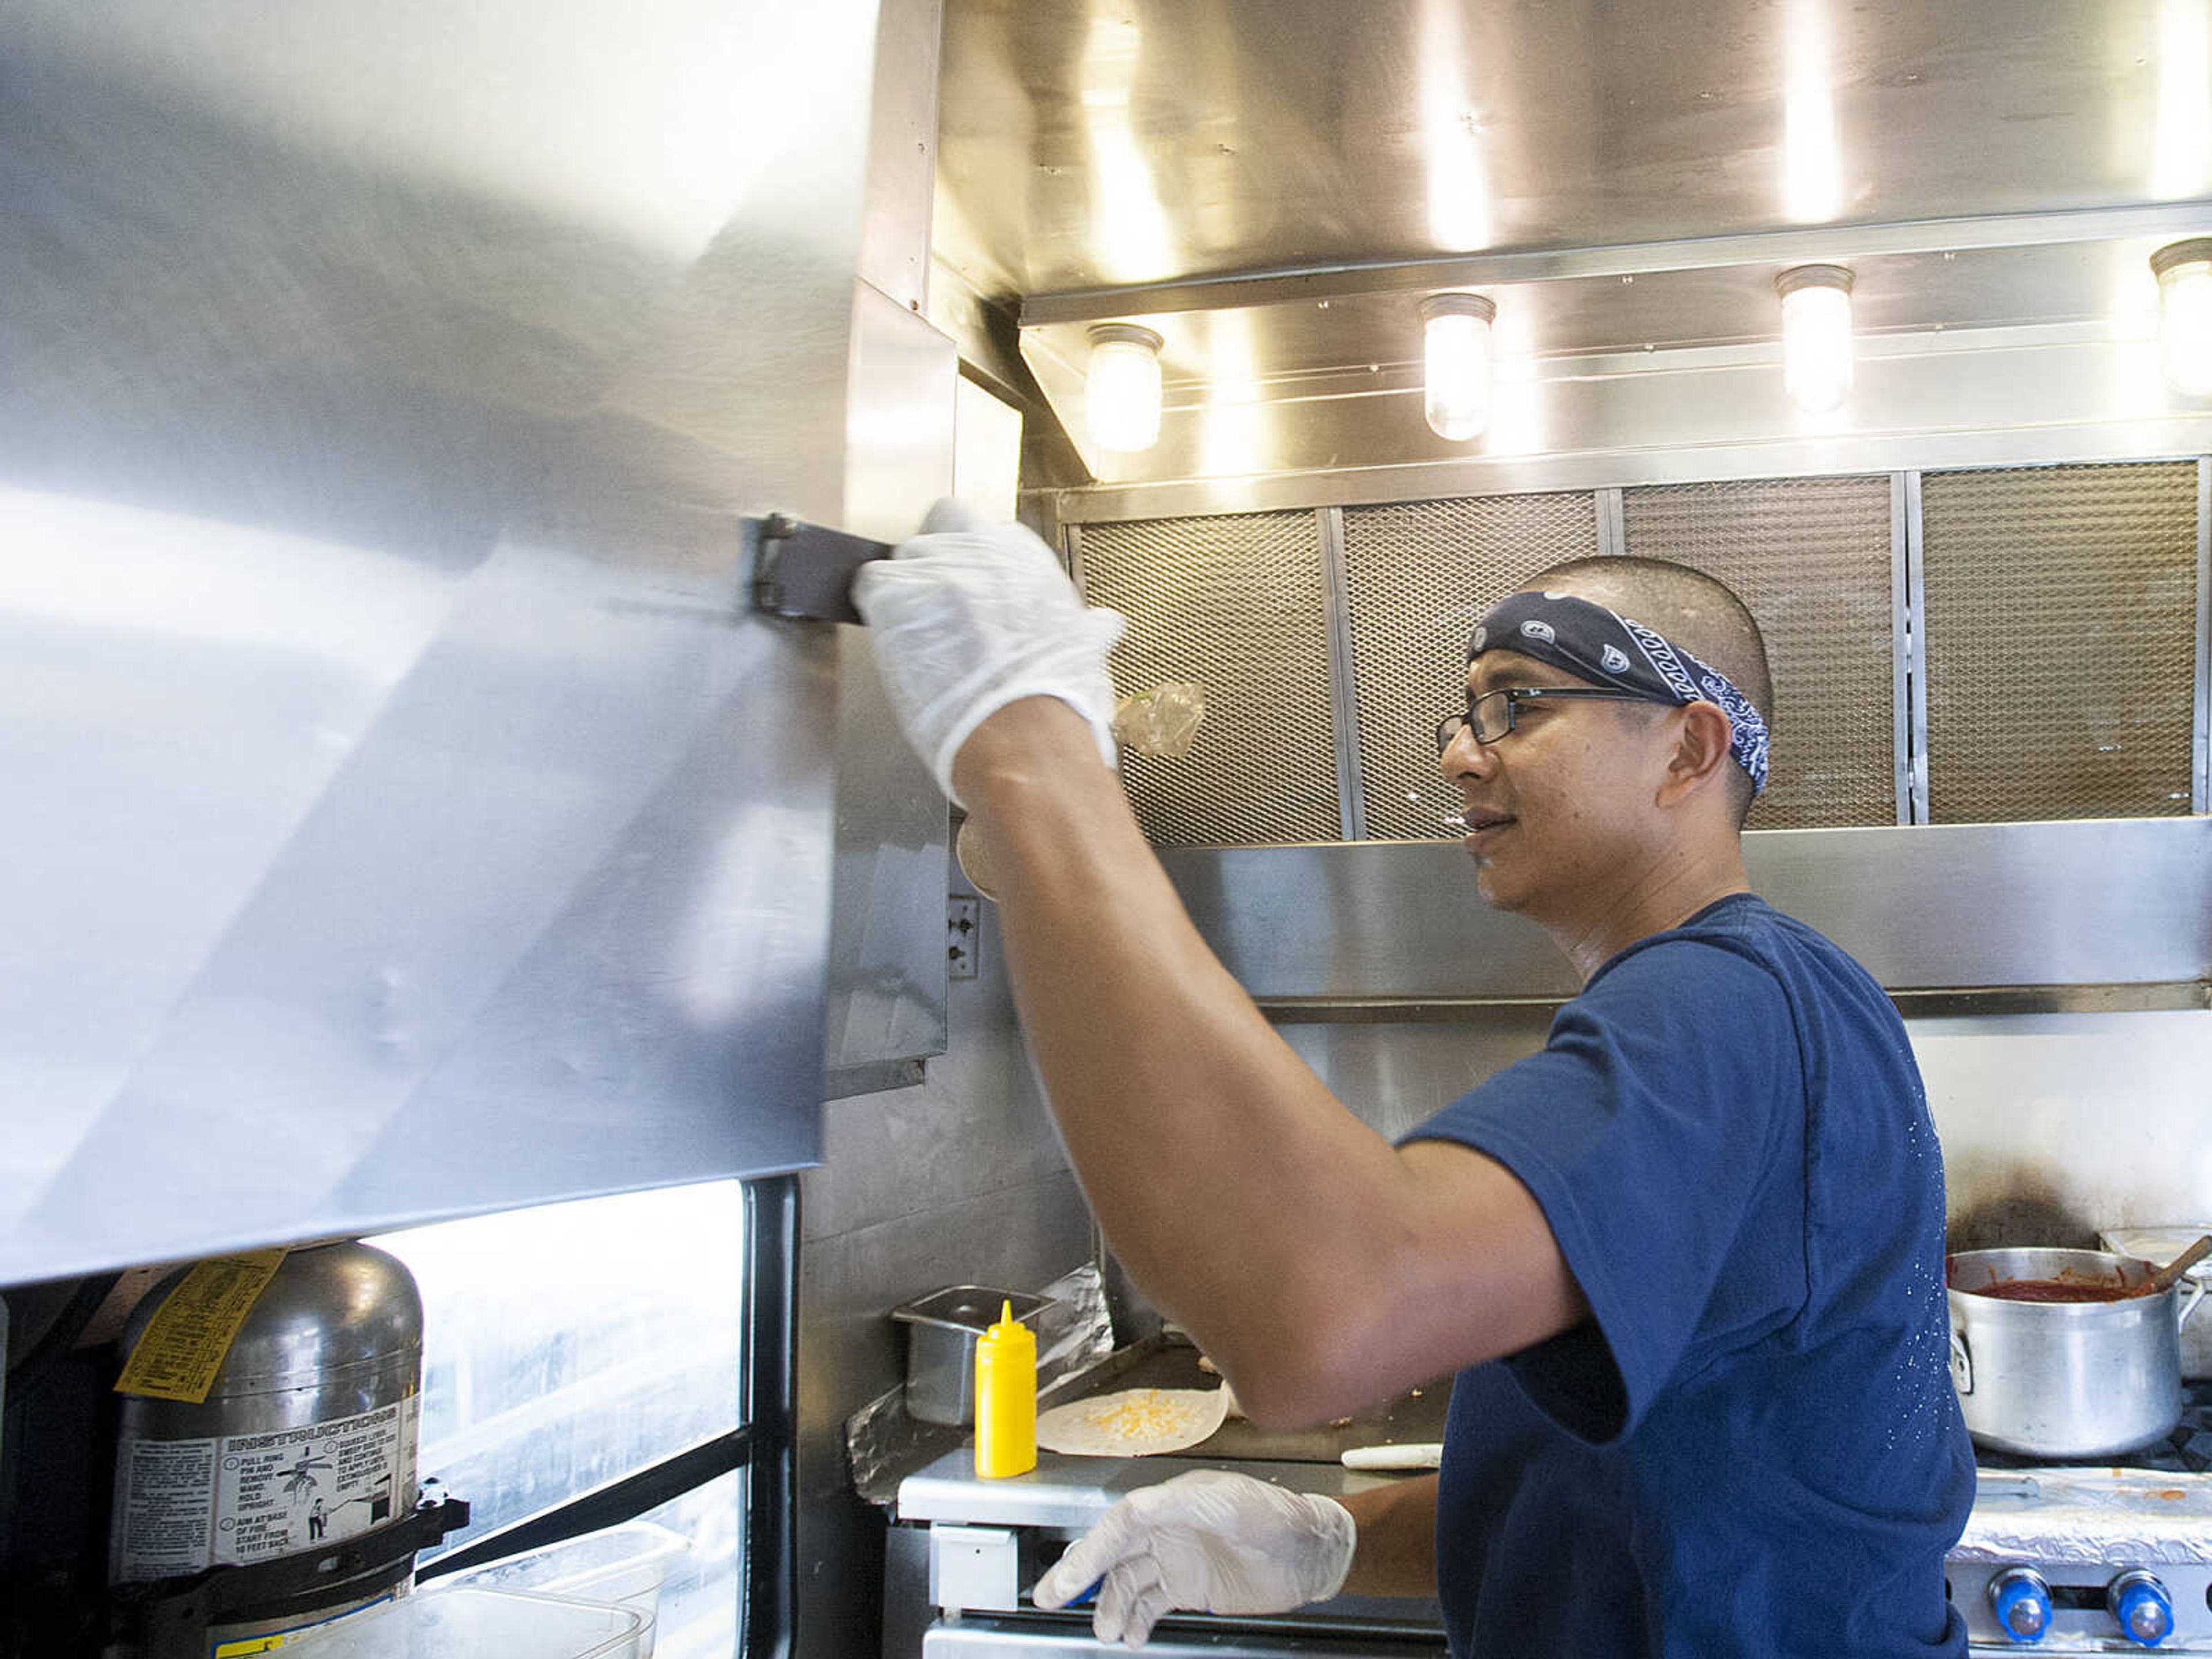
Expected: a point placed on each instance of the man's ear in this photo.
(1700, 755)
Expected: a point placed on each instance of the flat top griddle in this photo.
(1411, 1418)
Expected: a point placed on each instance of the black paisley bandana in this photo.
(1595, 644)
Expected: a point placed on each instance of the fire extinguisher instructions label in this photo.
(292, 1489)
(190, 1504)
(166, 1489)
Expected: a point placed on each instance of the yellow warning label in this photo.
(285, 1639)
(184, 1344)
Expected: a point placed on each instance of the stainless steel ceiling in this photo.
(1271, 185)
(1149, 139)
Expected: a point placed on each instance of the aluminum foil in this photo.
(1077, 1334)
(2089, 1516)
(879, 1441)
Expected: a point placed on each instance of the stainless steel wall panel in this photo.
(899, 437)
(1811, 558)
(408, 814)
(2054, 1124)
(1372, 919)
(2093, 901)
(1396, 1077)
(895, 224)
(977, 1124)
(1235, 603)
(1418, 575)
(887, 973)
(2062, 646)
(2043, 1119)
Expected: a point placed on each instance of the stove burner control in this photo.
(2021, 1601)
(2140, 1602)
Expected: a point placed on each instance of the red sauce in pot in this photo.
(2063, 1289)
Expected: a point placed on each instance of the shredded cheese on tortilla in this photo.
(1133, 1423)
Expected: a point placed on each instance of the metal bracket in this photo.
(292, 1583)
(806, 573)
(963, 923)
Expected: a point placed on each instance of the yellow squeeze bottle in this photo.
(1006, 1398)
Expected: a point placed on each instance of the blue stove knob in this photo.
(2021, 1601)
(2140, 1602)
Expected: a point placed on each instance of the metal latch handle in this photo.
(805, 572)
(1962, 1363)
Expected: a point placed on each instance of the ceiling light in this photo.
(1455, 330)
(2184, 270)
(1122, 395)
(1816, 336)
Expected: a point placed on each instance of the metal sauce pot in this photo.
(2066, 1379)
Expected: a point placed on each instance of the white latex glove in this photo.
(968, 616)
(1208, 1542)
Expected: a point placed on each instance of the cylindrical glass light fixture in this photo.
(2184, 270)
(1455, 364)
(1816, 336)
(1121, 393)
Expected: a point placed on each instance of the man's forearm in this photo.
(1397, 1550)
(1186, 1115)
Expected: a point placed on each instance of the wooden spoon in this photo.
(2163, 1279)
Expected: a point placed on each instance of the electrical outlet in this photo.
(963, 936)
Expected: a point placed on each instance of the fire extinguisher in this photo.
(285, 1495)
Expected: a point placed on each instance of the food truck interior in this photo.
(494, 1028)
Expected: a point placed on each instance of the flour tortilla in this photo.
(1135, 1422)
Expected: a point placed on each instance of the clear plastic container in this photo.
(625, 1564)
(479, 1624)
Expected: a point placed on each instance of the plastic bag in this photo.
(1161, 722)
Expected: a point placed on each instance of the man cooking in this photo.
(1686, 1261)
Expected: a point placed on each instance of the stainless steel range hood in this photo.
(408, 814)
(1950, 918)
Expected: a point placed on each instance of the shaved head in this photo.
(1692, 608)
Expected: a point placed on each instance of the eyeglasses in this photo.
(1495, 714)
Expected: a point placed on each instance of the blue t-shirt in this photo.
(1755, 1448)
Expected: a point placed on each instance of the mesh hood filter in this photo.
(1235, 604)
(2061, 638)
(1811, 558)
(1418, 577)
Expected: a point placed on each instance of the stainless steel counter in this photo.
(988, 1541)
(1068, 1494)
